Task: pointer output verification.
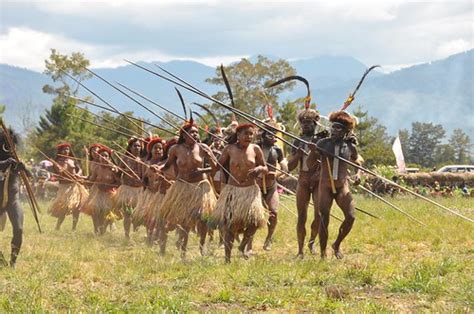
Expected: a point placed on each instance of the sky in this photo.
(393, 33)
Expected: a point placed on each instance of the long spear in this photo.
(31, 196)
(160, 106)
(153, 113)
(264, 126)
(103, 100)
(199, 92)
(108, 121)
(121, 114)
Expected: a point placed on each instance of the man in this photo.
(189, 203)
(308, 178)
(9, 194)
(273, 155)
(334, 184)
(239, 208)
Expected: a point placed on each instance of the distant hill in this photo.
(438, 92)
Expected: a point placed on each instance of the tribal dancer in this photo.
(71, 195)
(131, 182)
(334, 183)
(162, 183)
(268, 186)
(9, 194)
(239, 208)
(106, 179)
(155, 149)
(190, 201)
(308, 178)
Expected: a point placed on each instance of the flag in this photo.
(397, 150)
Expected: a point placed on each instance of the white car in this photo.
(457, 168)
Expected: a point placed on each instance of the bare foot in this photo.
(323, 255)
(311, 247)
(300, 255)
(268, 245)
(337, 252)
(243, 253)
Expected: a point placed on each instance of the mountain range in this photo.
(440, 91)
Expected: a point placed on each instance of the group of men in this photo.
(184, 184)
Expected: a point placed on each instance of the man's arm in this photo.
(295, 157)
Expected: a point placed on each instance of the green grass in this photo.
(390, 265)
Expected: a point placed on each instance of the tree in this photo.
(461, 145)
(60, 123)
(444, 154)
(424, 139)
(247, 81)
(2, 109)
(374, 142)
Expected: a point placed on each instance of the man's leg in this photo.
(15, 214)
(248, 236)
(202, 232)
(325, 199)
(228, 243)
(302, 200)
(346, 203)
(272, 201)
(316, 220)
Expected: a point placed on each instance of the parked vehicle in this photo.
(457, 168)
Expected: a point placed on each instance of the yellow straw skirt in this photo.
(153, 207)
(88, 204)
(187, 203)
(126, 198)
(70, 197)
(240, 207)
(138, 216)
(103, 205)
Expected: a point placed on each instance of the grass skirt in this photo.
(70, 197)
(126, 198)
(102, 204)
(187, 203)
(138, 216)
(153, 208)
(87, 207)
(240, 207)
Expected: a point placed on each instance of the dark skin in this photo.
(245, 162)
(307, 187)
(272, 155)
(105, 176)
(151, 178)
(12, 208)
(134, 163)
(342, 194)
(187, 160)
(67, 168)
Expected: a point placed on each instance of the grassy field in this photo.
(390, 265)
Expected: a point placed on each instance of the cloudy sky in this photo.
(394, 33)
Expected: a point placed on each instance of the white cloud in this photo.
(452, 47)
(29, 48)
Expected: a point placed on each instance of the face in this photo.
(245, 136)
(192, 135)
(104, 157)
(308, 126)
(65, 151)
(94, 153)
(338, 131)
(268, 138)
(136, 148)
(157, 151)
